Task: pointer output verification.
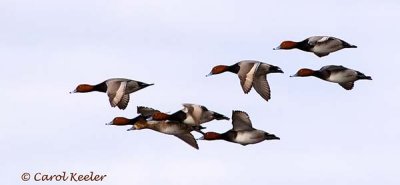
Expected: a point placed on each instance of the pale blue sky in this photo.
(328, 135)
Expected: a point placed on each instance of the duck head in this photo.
(210, 136)
(83, 88)
(304, 72)
(218, 70)
(120, 121)
(286, 45)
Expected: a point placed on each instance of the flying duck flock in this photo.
(251, 74)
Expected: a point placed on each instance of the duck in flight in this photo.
(319, 45)
(117, 89)
(242, 132)
(344, 76)
(251, 74)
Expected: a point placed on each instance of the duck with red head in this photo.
(251, 73)
(144, 114)
(319, 45)
(345, 77)
(213, 136)
(122, 121)
(177, 129)
(242, 132)
(83, 88)
(117, 89)
(191, 114)
(223, 68)
(304, 72)
(287, 45)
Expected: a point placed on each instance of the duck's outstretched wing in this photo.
(241, 121)
(347, 85)
(146, 111)
(260, 83)
(189, 139)
(333, 68)
(123, 103)
(247, 74)
(116, 92)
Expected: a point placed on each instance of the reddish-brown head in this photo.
(211, 136)
(119, 121)
(82, 88)
(286, 45)
(304, 72)
(218, 69)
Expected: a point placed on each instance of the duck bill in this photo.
(277, 48)
(295, 75)
(110, 123)
(72, 92)
(209, 74)
(200, 138)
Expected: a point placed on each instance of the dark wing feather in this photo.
(146, 111)
(260, 83)
(189, 139)
(115, 92)
(333, 68)
(241, 121)
(347, 85)
(321, 54)
(246, 75)
(123, 103)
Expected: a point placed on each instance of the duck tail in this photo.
(144, 85)
(219, 116)
(362, 76)
(366, 78)
(271, 137)
(198, 128)
(347, 45)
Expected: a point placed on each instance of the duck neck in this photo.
(101, 87)
(139, 118)
(318, 74)
(234, 68)
(303, 45)
(178, 116)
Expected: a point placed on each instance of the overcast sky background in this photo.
(328, 135)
